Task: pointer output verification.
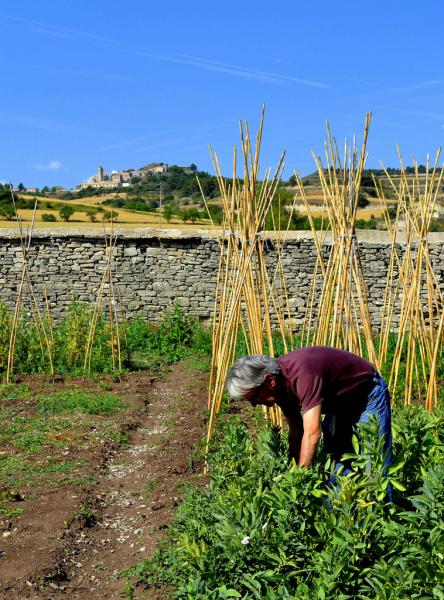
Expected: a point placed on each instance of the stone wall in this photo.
(152, 268)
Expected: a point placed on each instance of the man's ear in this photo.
(270, 381)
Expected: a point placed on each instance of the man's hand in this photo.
(312, 434)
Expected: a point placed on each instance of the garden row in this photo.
(142, 345)
(260, 530)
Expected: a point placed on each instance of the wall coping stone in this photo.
(363, 235)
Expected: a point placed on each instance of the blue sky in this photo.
(123, 84)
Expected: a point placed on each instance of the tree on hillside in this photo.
(110, 215)
(92, 215)
(66, 213)
(21, 187)
(7, 211)
(193, 214)
(168, 212)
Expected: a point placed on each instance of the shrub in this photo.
(7, 211)
(48, 217)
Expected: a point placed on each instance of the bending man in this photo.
(312, 381)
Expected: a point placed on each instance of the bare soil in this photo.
(76, 541)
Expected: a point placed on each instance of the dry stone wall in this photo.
(154, 268)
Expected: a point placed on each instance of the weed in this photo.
(13, 391)
(19, 470)
(152, 485)
(121, 438)
(84, 481)
(87, 516)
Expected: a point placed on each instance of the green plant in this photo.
(175, 337)
(88, 516)
(48, 217)
(66, 212)
(5, 333)
(80, 400)
(262, 530)
(110, 215)
(71, 339)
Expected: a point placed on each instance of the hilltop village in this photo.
(121, 179)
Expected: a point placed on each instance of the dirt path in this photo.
(127, 511)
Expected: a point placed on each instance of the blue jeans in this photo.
(338, 430)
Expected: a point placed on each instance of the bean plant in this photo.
(262, 529)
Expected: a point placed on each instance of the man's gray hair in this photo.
(248, 373)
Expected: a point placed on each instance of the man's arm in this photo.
(295, 431)
(311, 436)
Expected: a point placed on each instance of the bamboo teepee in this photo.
(249, 288)
(341, 316)
(114, 305)
(412, 282)
(44, 331)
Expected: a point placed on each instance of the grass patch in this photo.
(10, 512)
(14, 391)
(91, 403)
(19, 470)
(31, 434)
(82, 481)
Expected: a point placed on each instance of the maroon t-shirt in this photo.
(338, 380)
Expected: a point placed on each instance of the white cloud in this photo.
(53, 165)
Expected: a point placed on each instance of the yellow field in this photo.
(125, 219)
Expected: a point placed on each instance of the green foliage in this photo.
(176, 336)
(88, 516)
(419, 388)
(71, 340)
(7, 211)
(66, 212)
(5, 332)
(110, 215)
(263, 530)
(48, 217)
(82, 401)
(30, 353)
(168, 212)
(193, 214)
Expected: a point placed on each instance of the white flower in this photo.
(246, 540)
(264, 526)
